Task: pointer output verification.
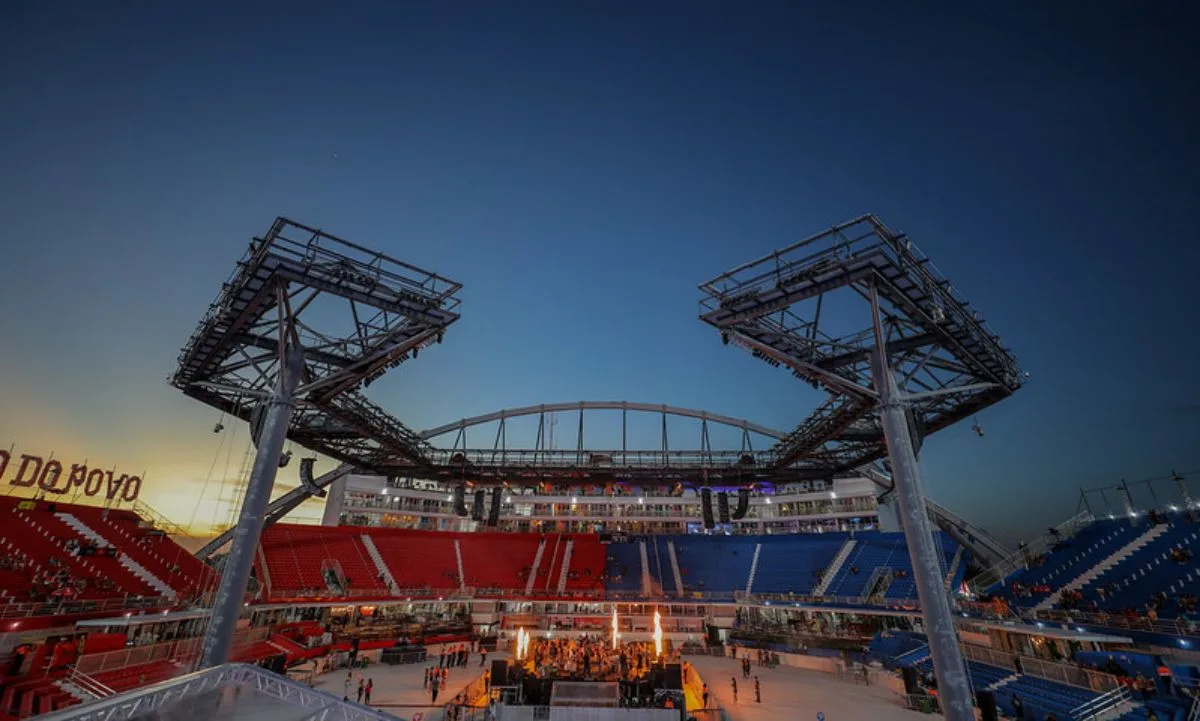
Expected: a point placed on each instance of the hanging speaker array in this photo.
(743, 504)
(706, 508)
(494, 516)
(723, 507)
(460, 500)
(477, 508)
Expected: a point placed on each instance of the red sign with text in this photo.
(53, 477)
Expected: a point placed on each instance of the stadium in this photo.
(564, 573)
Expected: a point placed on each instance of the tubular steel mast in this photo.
(917, 362)
(306, 321)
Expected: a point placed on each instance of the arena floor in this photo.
(787, 693)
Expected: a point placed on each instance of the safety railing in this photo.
(922, 702)
(904, 658)
(1173, 627)
(1102, 703)
(70, 608)
(1096, 681)
(1024, 556)
(88, 685)
(183, 650)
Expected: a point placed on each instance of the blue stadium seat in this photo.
(623, 567)
(789, 564)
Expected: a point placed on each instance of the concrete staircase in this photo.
(84, 687)
(533, 571)
(380, 564)
(1113, 559)
(675, 567)
(1006, 680)
(835, 565)
(134, 567)
(647, 584)
(753, 568)
(564, 573)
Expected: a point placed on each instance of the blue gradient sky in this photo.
(580, 167)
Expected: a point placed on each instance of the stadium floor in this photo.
(790, 693)
(400, 690)
(787, 692)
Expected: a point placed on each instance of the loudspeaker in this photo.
(909, 674)
(674, 677)
(723, 506)
(743, 504)
(499, 673)
(706, 508)
(494, 516)
(987, 705)
(460, 500)
(477, 507)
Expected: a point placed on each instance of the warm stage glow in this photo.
(657, 633)
(522, 643)
(614, 628)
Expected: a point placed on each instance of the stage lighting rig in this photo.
(805, 307)
(353, 314)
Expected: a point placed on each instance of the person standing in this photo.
(757, 691)
(482, 657)
(433, 690)
(367, 695)
(704, 697)
(733, 681)
(362, 687)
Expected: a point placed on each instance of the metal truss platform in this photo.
(785, 309)
(231, 692)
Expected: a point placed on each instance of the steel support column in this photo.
(227, 605)
(954, 687)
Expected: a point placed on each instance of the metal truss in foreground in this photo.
(223, 692)
(807, 308)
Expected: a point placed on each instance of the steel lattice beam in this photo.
(951, 365)
(354, 313)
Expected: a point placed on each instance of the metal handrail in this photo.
(88, 684)
(1020, 559)
(1118, 621)
(66, 608)
(1100, 704)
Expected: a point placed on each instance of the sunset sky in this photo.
(580, 168)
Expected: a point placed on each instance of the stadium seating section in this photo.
(1115, 565)
(66, 551)
(296, 562)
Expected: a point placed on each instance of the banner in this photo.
(52, 477)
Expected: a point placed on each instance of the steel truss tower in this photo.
(306, 320)
(916, 361)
